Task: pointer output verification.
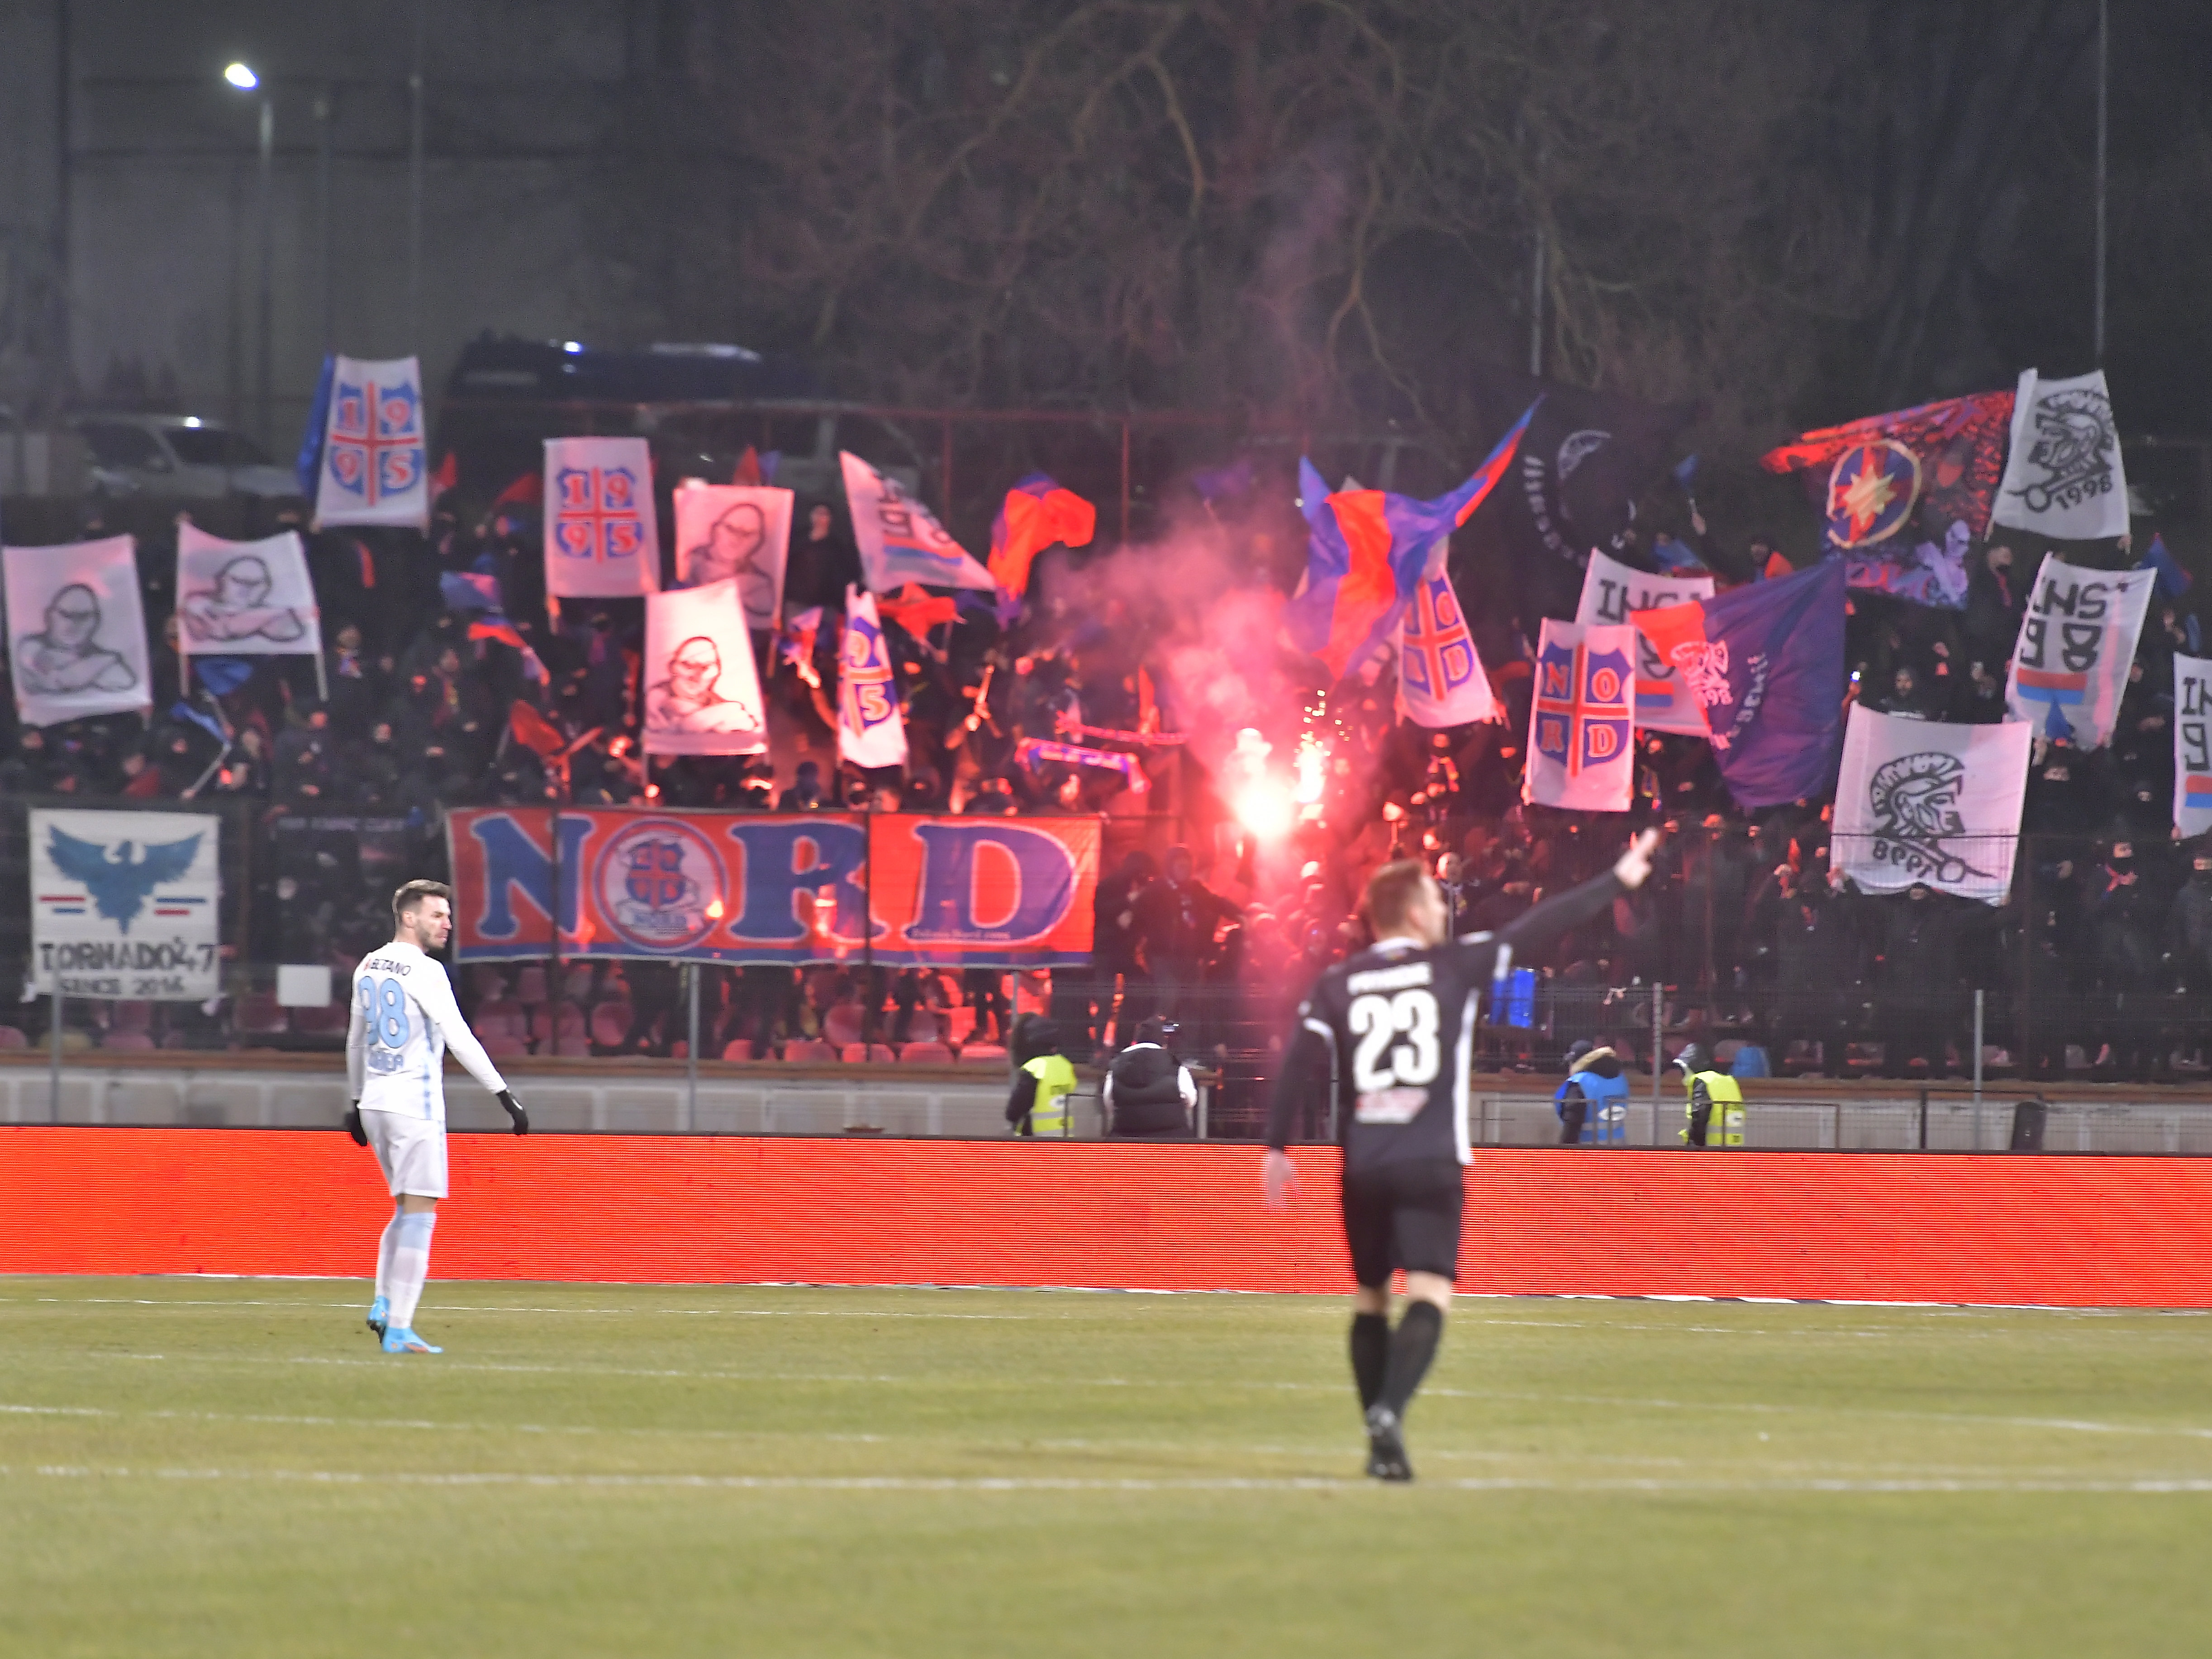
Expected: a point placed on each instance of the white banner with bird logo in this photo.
(703, 692)
(1920, 803)
(123, 904)
(2063, 477)
(245, 598)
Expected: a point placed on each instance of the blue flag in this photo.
(2173, 579)
(310, 463)
(1766, 663)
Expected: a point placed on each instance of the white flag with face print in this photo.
(703, 693)
(76, 631)
(2063, 477)
(739, 532)
(245, 598)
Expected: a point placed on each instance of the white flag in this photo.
(1610, 591)
(1581, 753)
(245, 598)
(123, 904)
(740, 532)
(374, 469)
(2064, 478)
(2070, 665)
(871, 728)
(2192, 745)
(76, 631)
(1440, 677)
(702, 694)
(602, 541)
(900, 539)
(1923, 801)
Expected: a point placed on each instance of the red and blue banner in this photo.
(967, 892)
(1367, 551)
(1765, 663)
(1038, 514)
(1872, 476)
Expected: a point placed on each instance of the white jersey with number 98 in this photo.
(404, 1020)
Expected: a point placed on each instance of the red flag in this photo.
(447, 477)
(916, 611)
(749, 470)
(1038, 514)
(368, 563)
(533, 730)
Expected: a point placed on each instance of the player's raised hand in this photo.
(514, 1111)
(1278, 1178)
(353, 1125)
(1634, 866)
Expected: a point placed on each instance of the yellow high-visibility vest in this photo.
(1055, 1081)
(1725, 1127)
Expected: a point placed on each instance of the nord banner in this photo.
(744, 887)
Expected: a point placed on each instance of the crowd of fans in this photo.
(1202, 918)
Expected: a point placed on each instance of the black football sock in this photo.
(1411, 1347)
(1371, 1353)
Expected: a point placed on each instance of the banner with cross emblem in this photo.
(602, 541)
(373, 469)
(1440, 677)
(1580, 755)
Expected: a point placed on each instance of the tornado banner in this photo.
(744, 887)
(123, 904)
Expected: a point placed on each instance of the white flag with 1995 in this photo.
(373, 469)
(871, 726)
(602, 539)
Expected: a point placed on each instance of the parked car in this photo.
(180, 457)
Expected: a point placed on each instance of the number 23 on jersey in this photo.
(1398, 1054)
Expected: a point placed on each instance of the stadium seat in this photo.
(331, 1020)
(127, 1042)
(562, 1023)
(812, 1053)
(841, 1026)
(130, 1016)
(988, 1053)
(12, 1038)
(488, 982)
(925, 1027)
(958, 1022)
(502, 1045)
(738, 1048)
(260, 1015)
(530, 986)
(925, 1054)
(866, 1054)
(611, 1023)
(576, 983)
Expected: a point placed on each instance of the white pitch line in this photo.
(2143, 1486)
(464, 1307)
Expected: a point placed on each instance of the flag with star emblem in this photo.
(1932, 466)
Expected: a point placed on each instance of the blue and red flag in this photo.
(1872, 476)
(1367, 551)
(1766, 662)
(1038, 514)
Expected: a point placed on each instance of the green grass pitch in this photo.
(199, 1467)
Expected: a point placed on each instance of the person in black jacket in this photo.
(1148, 1093)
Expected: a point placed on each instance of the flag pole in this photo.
(2104, 101)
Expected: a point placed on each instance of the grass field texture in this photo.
(199, 1467)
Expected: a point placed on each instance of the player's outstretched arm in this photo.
(436, 996)
(1306, 1068)
(1556, 917)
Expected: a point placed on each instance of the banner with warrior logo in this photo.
(76, 631)
(739, 887)
(736, 532)
(1580, 725)
(602, 540)
(2070, 665)
(1921, 802)
(245, 598)
(373, 469)
(871, 726)
(2192, 745)
(1611, 591)
(2065, 478)
(1440, 677)
(703, 692)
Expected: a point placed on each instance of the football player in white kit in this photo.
(405, 1019)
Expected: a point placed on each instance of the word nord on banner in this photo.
(745, 888)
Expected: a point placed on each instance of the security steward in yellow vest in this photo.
(1037, 1103)
(1713, 1095)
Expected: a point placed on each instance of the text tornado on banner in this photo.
(1923, 802)
(900, 540)
(871, 726)
(703, 692)
(373, 469)
(76, 631)
(1611, 591)
(2064, 478)
(602, 539)
(123, 904)
(2192, 745)
(1580, 753)
(245, 598)
(1440, 677)
(2069, 666)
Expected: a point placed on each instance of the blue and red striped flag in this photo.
(1038, 514)
(1367, 551)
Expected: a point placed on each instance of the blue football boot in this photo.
(380, 1313)
(405, 1341)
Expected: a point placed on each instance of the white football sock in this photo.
(384, 1253)
(410, 1265)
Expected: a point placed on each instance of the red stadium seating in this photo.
(12, 1038)
(866, 1054)
(842, 1025)
(128, 1042)
(530, 985)
(925, 1054)
(611, 1023)
(989, 1053)
(814, 1054)
(260, 1015)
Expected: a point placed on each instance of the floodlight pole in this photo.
(691, 1057)
(1977, 1071)
(265, 382)
(2104, 103)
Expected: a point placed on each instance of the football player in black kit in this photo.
(1388, 1037)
